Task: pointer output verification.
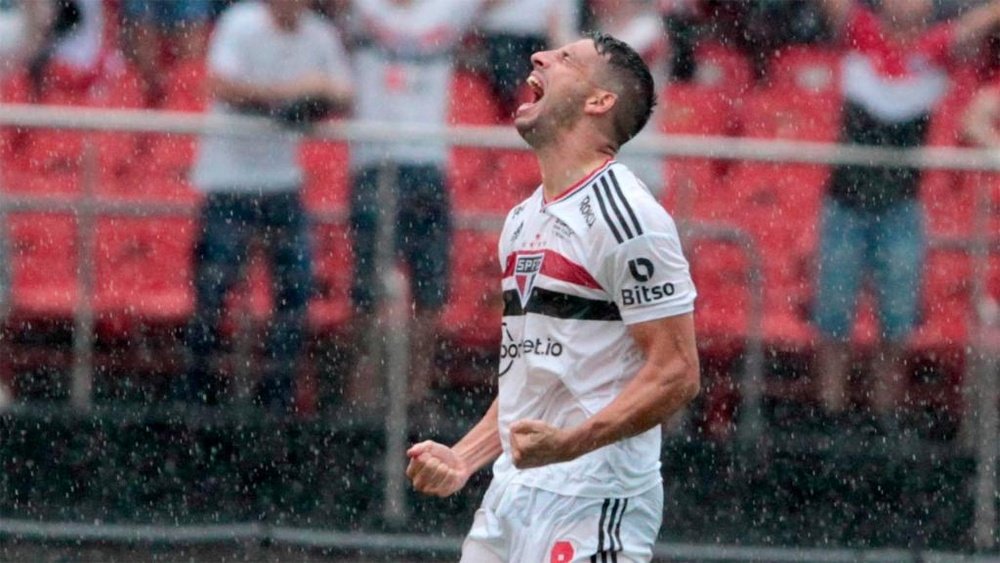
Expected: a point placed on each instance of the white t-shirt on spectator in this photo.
(247, 46)
(404, 71)
(13, 34)
(83, 47)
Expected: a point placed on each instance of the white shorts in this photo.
(520, 524)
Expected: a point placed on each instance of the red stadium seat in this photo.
(327, 175)
(472, 315)
(805, 70)
(691, 187)
(779, 204)
(949, 195)
(13, 90)
(723, 68)
(172, 156)
(472, 103)
(946, 302)
(720, 272)
(775, 113)
(143, 268)
(185, 87)
(43, 264)
(489, 180)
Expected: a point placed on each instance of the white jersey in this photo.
(577, 271)
(247, 46)
(404, 72)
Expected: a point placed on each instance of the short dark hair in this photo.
(635, 88)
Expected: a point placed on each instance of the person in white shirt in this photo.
(404, 65)
(598, 342)
(264, 57)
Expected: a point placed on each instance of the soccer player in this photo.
(598, 337)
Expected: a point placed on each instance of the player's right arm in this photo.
(436, 469)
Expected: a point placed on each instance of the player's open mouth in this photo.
(536, 90)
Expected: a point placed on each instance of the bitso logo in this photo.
(641, 269)
(525, 271)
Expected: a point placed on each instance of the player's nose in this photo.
(540, 59)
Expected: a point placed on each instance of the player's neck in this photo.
(564, 164)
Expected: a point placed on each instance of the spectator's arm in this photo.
(973, 26)
(838, 13)
(39, 17)
(979, 121)
(242, 94)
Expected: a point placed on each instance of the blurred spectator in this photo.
(64, 44)
(513, 30)
(680, 19)
(154, 28)
(981, 119)
(265, 57)
(895, 70)
(640, 25)
(404, 68)
(13, 35)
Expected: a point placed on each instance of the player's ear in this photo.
(600, 102)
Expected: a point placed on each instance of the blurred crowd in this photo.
(394, 60)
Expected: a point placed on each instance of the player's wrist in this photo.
(574, 442)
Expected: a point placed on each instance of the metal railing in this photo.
(87, 205)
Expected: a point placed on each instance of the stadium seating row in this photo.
(143, 265)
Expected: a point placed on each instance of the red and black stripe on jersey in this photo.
(555, 303)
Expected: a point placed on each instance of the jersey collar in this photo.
(578, 185)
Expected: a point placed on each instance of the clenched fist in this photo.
(435, 469)
(534, 443)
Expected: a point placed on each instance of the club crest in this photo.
(525, 271)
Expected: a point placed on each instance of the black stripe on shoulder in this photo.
(613, 203)
(560, 306)
(604, 212)
(625, 203)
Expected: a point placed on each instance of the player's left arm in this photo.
(668, 380)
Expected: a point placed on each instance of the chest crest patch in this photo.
(525, 272)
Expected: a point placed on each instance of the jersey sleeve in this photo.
(648, 276)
